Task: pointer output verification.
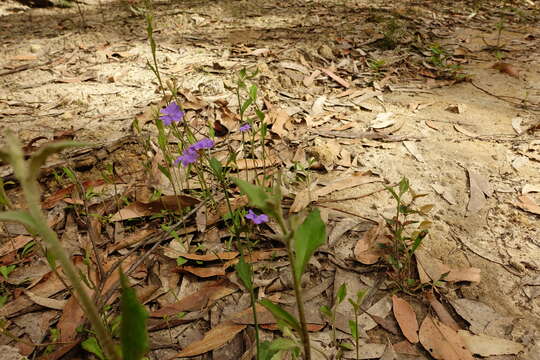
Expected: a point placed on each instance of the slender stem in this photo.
(304, 334)
(31, 192)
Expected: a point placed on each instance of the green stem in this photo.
(304, 334)
(31, 192)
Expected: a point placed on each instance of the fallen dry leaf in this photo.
(383, 120)
(168, 202)
(506, 68)
(442, 342)
(281, 118)
(213, 339)
(197, 300)
(435, 269)
(411, 147)
(441, 311)
(336, 78)
(479, 188)
(464, 131)
(484, 345)
(367, 250)
(204, 272)
(527, 204)
(406, 318)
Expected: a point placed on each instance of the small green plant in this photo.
(302, 237)
(392, 32)
(330, 313)
(5, 270)
(403, 241)
(353, 324)
(376, 65)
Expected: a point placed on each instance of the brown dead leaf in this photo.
(245, 317)
(442, 342)
(308, 80)
(479, 188)
(244, 164)
(406, 318)
(205, 257)
(441, 311)
(336, 78)
(72, 317)
(484, 345)
(204, 272)
(132, 239)
(280, 119)
(213, 339)
(405, 347)
(15, 244)
(168, 202)
(527, 204)
(367, 250)
(46, 302)
(464, 131)
(197, 300)
(310, 327)
(506, 68)
(435, 269)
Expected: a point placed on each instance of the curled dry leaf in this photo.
(368, 249)
(435, 269)
(442, 342)
(213, 339)
(406, 318)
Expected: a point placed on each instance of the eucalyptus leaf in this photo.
(307, 238)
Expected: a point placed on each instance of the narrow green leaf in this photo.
(133, 333)
(307, 238)
(353, 326)
(243, 270)
(216, 166)
(20, 216)
(281, 314)
(253, 92)
(341, 293)
(91, 345)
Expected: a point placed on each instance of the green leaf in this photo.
(403, 186)
(20, 216)
(283, 344)
(133, 333)
(307, 238)
(6, 270)
(253, 92)
(353, 326)
(181, 261)
(243, 270)
(257, 195)
(91, 345)
(281, 314)
(216, 166)
(341, 293)
(245, 105)
(325, 310)
(39, 157)
(265, 353)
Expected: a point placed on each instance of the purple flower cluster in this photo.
(256, 219)
(191, 153)
(172, 113)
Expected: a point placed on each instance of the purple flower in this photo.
(171, 113)
(205, 143)
(245, 128)
(257, 219)
(189, 156)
